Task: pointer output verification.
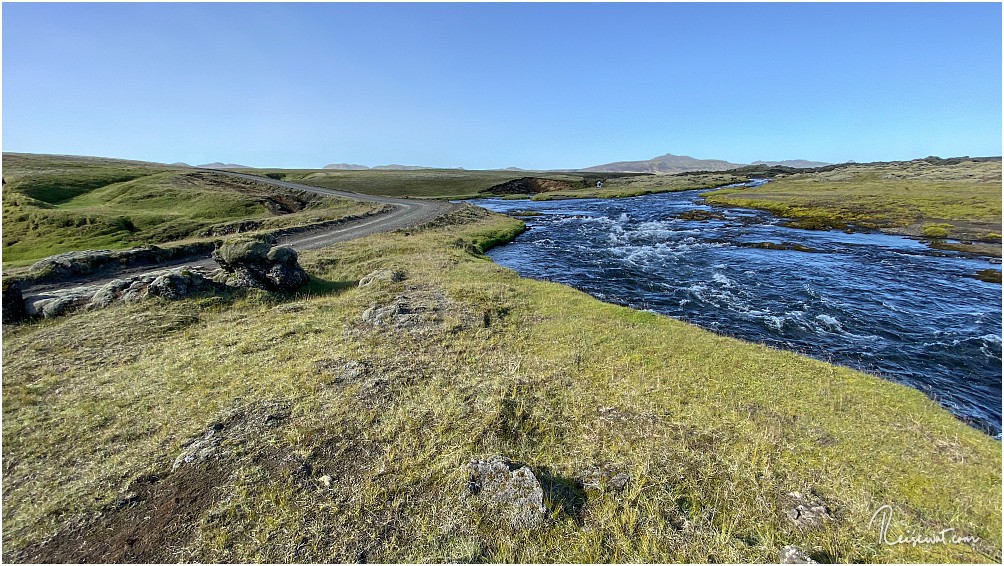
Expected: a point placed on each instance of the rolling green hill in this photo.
(54, 204)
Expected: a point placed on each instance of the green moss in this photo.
(989, 275)
(937, 230)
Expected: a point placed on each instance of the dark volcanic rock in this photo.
(13, 303)
(256, 263)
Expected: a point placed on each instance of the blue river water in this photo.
(884, 304)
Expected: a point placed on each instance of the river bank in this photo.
(348, 415)
(884, 304)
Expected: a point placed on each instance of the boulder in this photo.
(381, 276)
(510, 489)
(13, 303)
(257, 263)
(807, 512)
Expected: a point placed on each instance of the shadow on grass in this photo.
(317, 287)
(562, 494)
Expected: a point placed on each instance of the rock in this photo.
(806, 512)
(82, 262)
(13, 303)
(108, 294)
(512, 490)
(795, 555)
(256, 263)
(200, 449)
(381, 276)
(414, 309)
(602, 479)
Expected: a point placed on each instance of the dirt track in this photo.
(398, 214)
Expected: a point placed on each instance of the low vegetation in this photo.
(423, 183)
(55, 204)
(461, 184)
(934, 199)
(336, 425)
(648, 184)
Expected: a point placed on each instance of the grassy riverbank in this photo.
(341, 439)
(636, 186)
(457, 184)
(423, 183)
(938, 201)
(54, 204)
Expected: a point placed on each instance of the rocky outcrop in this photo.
(807, 512)
(256, 263)
(415, 309)
(71, 264)
(13, 303)
(508, 489)
(528, 186)
(171, 284)
(380, 276)
(245, 263)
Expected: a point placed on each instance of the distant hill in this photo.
(796, 163)
(346, 167)
(670, 163)
(396, 167)
(218, 165)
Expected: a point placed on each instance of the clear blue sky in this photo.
(497, 85)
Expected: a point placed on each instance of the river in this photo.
(884, 304)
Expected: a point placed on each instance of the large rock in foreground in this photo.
(257, 263)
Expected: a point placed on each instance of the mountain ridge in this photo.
(670, 163)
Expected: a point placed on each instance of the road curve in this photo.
(398, 214)
(405, 213)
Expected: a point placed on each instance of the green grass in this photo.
(425, 183)
(921, 199)
(714, 432)
(461, 184)
(54, 204)
(648, 184)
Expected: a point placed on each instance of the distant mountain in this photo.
(180, 164)
(668, 163)
(346, 167)
(218, 165)
(514, 169)
(796, 163)
(396, 167)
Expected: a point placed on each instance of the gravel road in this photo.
(398, 214)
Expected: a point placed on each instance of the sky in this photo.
(537, 86)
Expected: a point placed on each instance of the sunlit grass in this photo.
(714, 432)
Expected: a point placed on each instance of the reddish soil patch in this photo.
(157, 518)
(529, 185)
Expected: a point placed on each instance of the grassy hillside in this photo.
(460, 184)
(330, 435)
(54, 204)
(619, 187)
(424, 183)
(935, 200)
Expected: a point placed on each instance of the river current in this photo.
(887, 305)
